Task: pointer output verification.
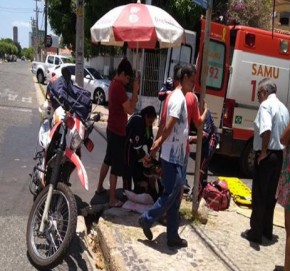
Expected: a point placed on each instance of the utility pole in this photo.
(33, 31)
(80, 43)
(36, 37)
(45, 28)
(195, 202)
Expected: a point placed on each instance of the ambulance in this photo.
(238, 58)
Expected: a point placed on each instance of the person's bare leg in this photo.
(103, 173)
(287, 243)
(113, 185)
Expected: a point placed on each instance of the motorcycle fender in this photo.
(81, 171)
(54, 128)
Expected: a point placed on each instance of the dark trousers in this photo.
(265, 181)
(207, 151)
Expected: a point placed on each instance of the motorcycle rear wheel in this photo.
(48, 249)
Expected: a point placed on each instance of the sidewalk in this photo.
(214, 246)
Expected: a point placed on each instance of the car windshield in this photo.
(66, 60)
(95, 73)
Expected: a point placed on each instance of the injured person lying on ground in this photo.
(147, 186)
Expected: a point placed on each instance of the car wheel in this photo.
(99, 96)
(40, 77)
(247, 160)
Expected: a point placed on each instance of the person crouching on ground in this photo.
(139, 134)
(173, 139)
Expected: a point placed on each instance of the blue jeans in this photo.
(184, 169)
(169, 201)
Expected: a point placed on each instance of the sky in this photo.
(20, 13)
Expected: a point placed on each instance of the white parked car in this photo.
(94, 82)
(40, 69)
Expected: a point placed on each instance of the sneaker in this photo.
(146, 230)
(178, 242)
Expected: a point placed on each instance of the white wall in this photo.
(103, 63)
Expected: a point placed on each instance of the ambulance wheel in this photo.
(247, 160)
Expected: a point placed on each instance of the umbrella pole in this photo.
(139, 75)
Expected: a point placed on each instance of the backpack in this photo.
(217, 195)
(73, 98)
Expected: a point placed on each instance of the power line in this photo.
(15, 10)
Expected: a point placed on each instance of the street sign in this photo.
(48, 41)
(202, 3)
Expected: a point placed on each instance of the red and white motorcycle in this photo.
(53, 217)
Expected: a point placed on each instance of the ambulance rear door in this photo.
(181, 55)
(218, 69)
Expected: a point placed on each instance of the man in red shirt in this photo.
(119, 106)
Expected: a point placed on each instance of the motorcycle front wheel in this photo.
(48, 249)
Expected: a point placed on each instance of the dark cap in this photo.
(149, 111)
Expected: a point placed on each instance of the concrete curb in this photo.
(111, 252)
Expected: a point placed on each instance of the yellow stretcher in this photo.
(240, 192)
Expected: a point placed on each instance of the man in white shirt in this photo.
(271, 120)
(173, 139)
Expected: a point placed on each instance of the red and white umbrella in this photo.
(140, 26)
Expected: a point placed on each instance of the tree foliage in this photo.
(28, 53)
(255, 13)
(187, 13)
(62, 18)
(8, 46)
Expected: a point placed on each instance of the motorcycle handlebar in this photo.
(90, 123)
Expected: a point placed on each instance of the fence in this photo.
(153, 72)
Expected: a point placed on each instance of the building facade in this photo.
(282, 16)
(15, 33)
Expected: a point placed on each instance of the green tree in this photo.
(188, 13)
(7, 46)
(28, 53)
(62, 18)
(255, 13)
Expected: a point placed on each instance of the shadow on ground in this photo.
(223, 166)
